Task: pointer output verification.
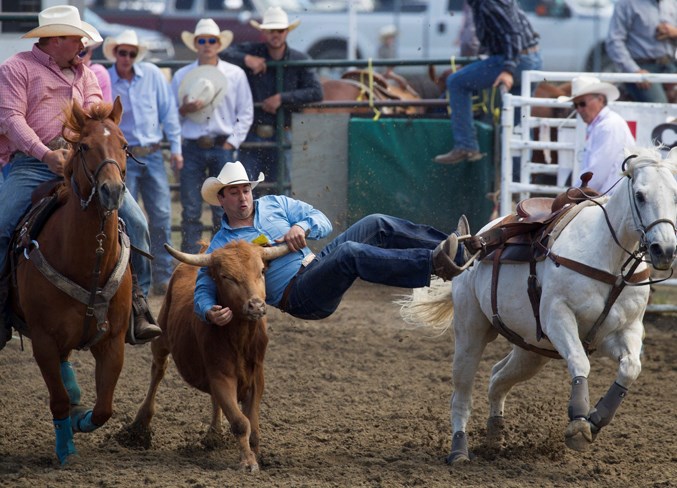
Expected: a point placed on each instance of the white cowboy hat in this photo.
(126, 37)
(231, 174)
(205, 83)
(207, 27)
(587, 85)
(387, 31)
(62, 20)
(275, 18)
(91, 42)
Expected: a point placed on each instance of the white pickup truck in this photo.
(570, 30)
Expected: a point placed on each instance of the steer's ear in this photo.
(274, 252)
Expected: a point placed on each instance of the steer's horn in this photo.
(274, 252)
(201, 260)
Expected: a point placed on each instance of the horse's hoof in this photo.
(134, 436)
(578, 435)
(456, 457)
(249, 468)
(495, 432)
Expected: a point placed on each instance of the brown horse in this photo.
(73, 285)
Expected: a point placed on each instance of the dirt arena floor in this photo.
(355, 400)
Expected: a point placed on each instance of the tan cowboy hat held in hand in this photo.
(231, 174)
(275, 18)
(62, 20)
(207, 27)
(128, 38)
(205, 83)
(588, 85)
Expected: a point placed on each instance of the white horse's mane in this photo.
(651, 155)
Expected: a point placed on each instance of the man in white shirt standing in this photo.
(607, 133)
(216, 111)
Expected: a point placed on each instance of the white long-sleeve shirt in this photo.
(233, 116)
(606, 138)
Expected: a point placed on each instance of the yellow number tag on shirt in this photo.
(261, 240)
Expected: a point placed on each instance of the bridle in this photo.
(92, 177)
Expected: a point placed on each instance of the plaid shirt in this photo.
(502, 28)
(33, 95)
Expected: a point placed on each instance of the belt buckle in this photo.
(140, 151)
(205, 142)
(265, 131)
(307, 260)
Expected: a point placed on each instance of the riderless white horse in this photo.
(584, 306)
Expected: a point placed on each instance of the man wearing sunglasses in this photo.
(216, 111)
(607, 133)
(150, 113)
(300, 85)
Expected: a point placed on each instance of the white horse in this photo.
(637, 221)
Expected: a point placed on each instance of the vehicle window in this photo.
(184, 4)
(23, 7)
(455, 5)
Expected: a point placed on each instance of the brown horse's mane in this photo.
(72, 132)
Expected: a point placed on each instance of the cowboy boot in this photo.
(145, 326)
(5, 326)
(445, 253)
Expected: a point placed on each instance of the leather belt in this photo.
(264, 131)
(663, 60)
(530, 50)
(209, 142)
(285, 294)
(143, 151)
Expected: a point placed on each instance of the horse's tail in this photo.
(431, 306)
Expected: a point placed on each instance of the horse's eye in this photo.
(84, 147)
(639, 196)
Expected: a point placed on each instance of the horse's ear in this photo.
(116, 113)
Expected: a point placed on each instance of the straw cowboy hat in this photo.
(275, 18)
(127, 37)
(207, 27)
(588, 85)
(205, 83)
(387, 31)
(62, 20)
(231, 174)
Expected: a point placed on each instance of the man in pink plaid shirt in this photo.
(35, 86)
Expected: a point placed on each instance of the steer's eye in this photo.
(639, 196)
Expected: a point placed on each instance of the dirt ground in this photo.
(355, 400)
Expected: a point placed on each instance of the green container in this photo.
(391, 171)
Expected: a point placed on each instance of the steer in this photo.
(226, 362)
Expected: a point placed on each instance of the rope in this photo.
(370, 70)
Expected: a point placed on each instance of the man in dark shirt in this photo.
(300, 85)
(511, 44)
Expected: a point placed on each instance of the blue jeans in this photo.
(379, 249)
(151, 182)
(198, 164)
(477, 76)
(264, 159)
(656, 92)
(15, 199)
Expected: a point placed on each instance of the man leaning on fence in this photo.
(216, 112)
(300, 85)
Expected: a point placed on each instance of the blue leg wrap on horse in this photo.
(64, 439)
(82, 421)
(69, 381)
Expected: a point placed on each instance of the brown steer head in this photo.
(238, 271)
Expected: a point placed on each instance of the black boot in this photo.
(145, 327)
